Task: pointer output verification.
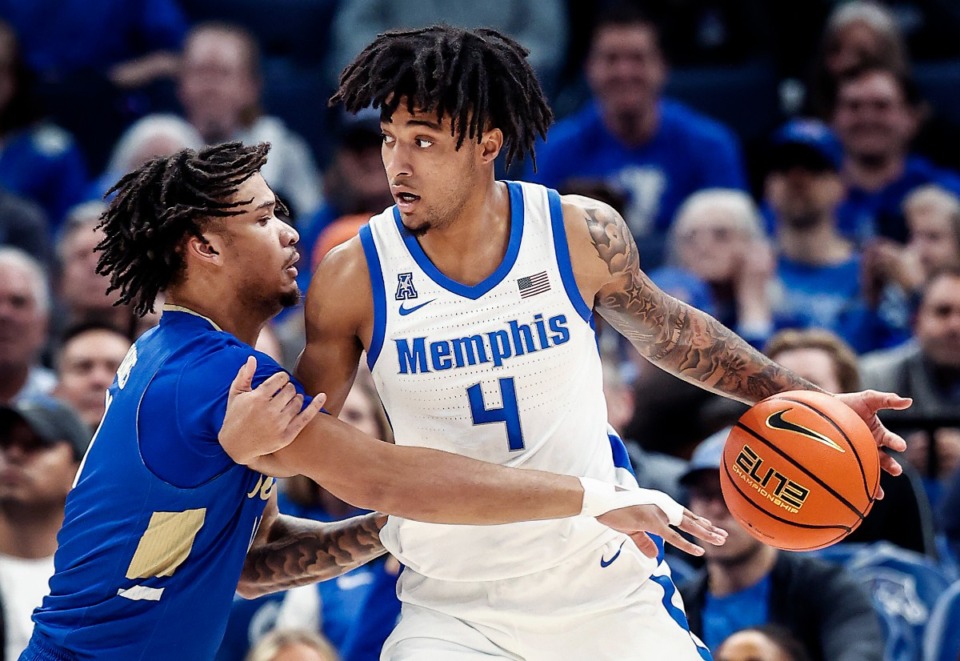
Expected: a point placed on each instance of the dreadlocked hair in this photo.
(480, 78)
(158, 205)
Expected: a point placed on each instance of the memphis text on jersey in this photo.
(514, 339)
(771, 484)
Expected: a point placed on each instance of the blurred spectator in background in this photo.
(718, 239)
(763, 643)
(856, 33)
(746, 583)
(896, 272)
(651, 148)
(38, 160)
(101, 64)
(353, 183)
(876, 114)
(818, 270)
(24, 320)
(23, 225)
(928, 370)
(86, 362)
(151, 136)
(903, 517)
(293, 645)
(41, 444)
(539, 25)
(219, 88)
(82, 291)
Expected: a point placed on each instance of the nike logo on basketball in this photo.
(405, 311)
(776, 421)
(607, 563)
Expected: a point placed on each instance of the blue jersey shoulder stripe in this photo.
(563, 258)
(379, 295)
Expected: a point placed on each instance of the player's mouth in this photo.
(406, 201)
(290, 268)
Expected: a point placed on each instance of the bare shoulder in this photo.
(602, 249)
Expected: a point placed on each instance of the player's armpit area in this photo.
(678, 338)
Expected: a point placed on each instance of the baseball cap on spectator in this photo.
(807, 143)
(52, 420)
(707, 456)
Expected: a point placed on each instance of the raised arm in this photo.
(678, 338)
(338, 323)
(288, 552)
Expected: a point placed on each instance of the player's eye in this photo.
(423, 143)
(387, 139)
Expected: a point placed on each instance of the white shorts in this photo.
(601, 605)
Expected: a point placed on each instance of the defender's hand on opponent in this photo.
(262, 420)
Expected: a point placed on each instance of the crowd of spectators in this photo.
(789, 167)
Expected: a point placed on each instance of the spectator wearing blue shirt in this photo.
(876, 115)
(818, 269)
(655, 150)
(38, 160)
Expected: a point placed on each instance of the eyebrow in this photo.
(424, 122)
(265, 204)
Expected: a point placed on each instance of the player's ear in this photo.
(206, 248)
(491, 142)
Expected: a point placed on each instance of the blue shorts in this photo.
(40, 648)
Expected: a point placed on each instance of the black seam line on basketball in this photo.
(813, 477)
(746, 499)
(853, 448)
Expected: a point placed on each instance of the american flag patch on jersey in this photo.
(532, 285)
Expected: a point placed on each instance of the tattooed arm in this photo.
(679, 338)
(673, 335)
(288, 552)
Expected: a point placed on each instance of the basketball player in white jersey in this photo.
(474, 301)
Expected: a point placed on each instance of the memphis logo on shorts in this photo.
(770, 483)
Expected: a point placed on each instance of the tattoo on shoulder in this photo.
(680, 339)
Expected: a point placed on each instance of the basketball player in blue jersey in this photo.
(175, 501)
(474, 301)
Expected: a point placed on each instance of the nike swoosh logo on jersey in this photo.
(607, 563)
(405, 311)
(776, 421)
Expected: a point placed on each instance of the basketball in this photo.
(800, 470)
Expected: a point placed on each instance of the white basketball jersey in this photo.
(506, 371)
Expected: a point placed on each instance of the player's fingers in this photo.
(273, 383)
(645, 544)
(702, 528)
(893, 441)
(888, 400)
(303, 418)
(674, 538)
(291, 409)
(243, 381)
(890, 464)
(283, 397)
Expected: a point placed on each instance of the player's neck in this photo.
(470, 245)
(29, 532)
(732, 576)
(226, 312)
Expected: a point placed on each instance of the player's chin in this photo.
(290, 297)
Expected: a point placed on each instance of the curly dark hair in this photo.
(162, 202)
(480, 78)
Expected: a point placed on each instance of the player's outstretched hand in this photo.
(262, 420)
(866, 404)
(637, 520)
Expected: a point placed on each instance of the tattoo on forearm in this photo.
(679, 338)
(301, 552)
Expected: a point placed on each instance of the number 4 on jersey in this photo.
(509, 413)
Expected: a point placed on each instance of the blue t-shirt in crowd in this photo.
(43, 164)
(865, 214)
(688, 152)
(725, 615)
(829, 296)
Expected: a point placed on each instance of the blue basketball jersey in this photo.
(147, 567)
